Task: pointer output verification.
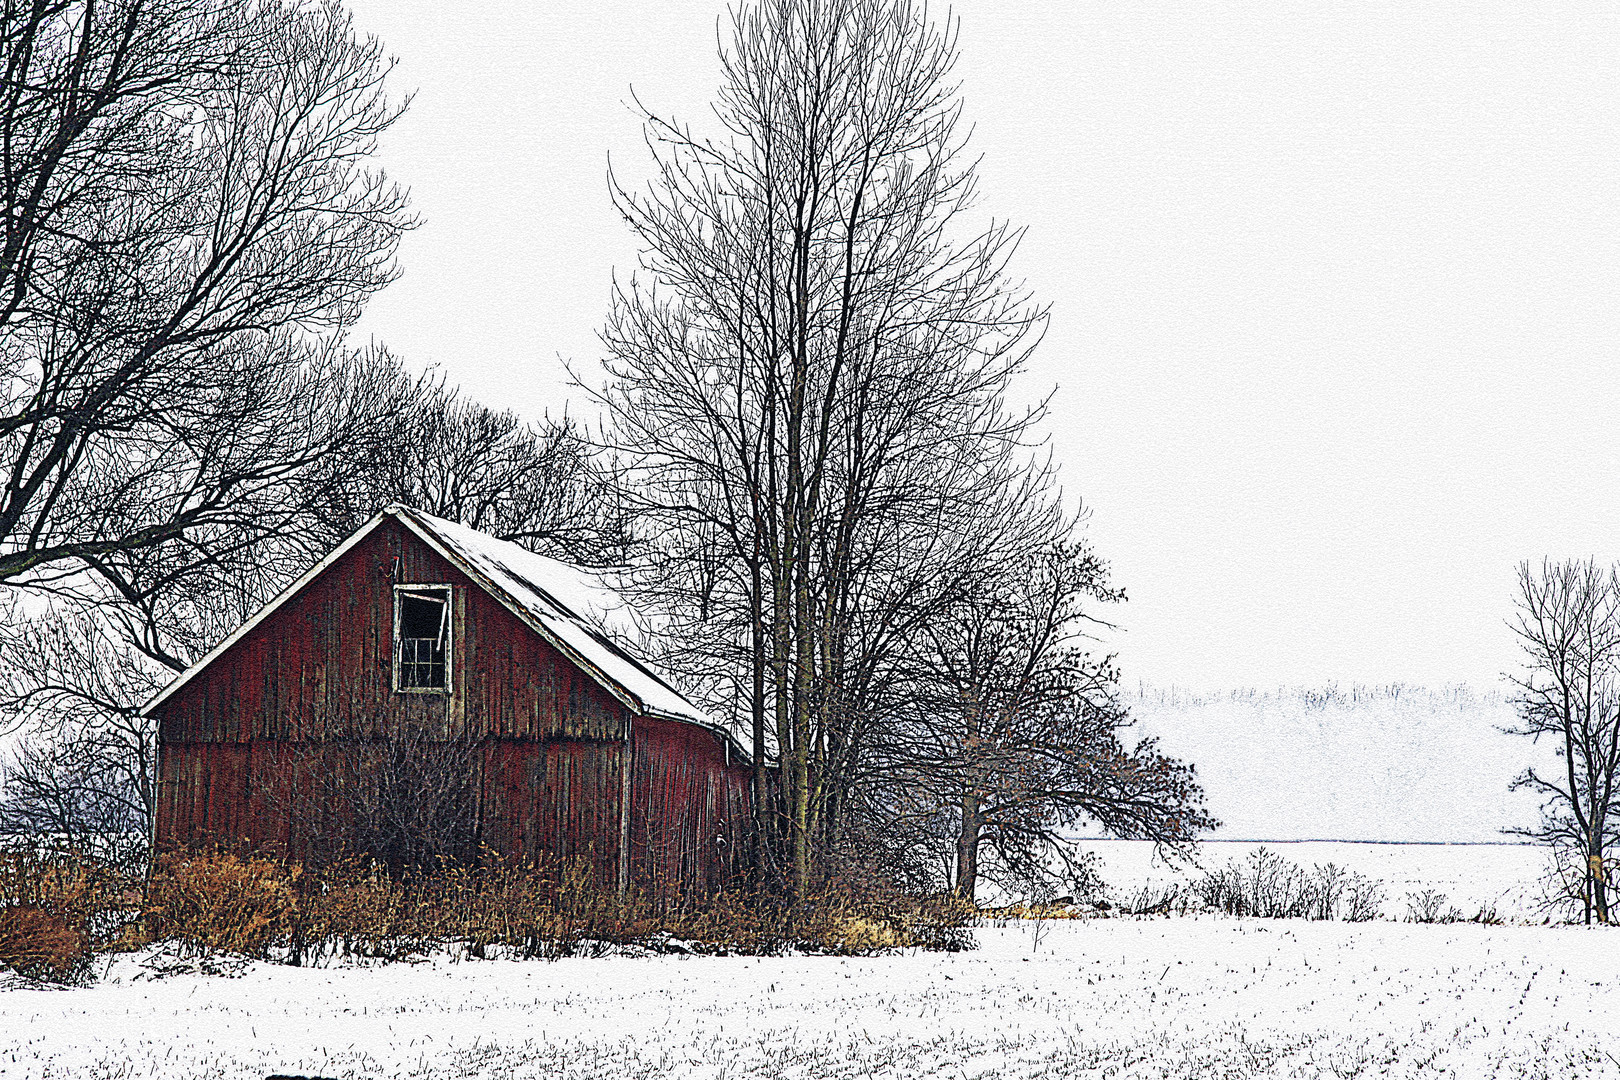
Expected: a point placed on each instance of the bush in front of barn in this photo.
(220, 901)
(58, 907)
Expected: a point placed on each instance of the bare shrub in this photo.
(1221, 889)
(1271, 887)
(1363, 899)
(407, 801)
(1431, 906)
(1155, 899)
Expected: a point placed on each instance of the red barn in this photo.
(414, 623)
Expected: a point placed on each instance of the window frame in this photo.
(447, 592)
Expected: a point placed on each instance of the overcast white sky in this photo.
(1333, 285)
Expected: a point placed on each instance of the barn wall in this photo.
(553, 800)
(557, 800)
(688, 810)
(202, 793)
(320, 667)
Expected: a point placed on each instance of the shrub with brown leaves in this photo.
(222, 902)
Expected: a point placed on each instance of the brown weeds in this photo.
(259, 907)
(57, 908)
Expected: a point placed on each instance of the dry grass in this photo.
(222, 902)
(247, 905)
(1023, 911)
(57, 908)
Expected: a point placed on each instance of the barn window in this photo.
(422, 638)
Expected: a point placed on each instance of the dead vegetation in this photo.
(1269, 886)
(58, 910)
(353, 907)
(209, 909)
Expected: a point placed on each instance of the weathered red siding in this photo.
(314, 679)
(688, 819)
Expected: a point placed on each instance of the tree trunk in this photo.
(803, 677)
(967, 847)
(782, 712)
(1596, 887)
(761, 808)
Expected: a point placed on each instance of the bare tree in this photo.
(185, 198)
(307, 425)
(375, 435)
(534, 483)
(1019, 729)
(807, 383)
(190, 222)
(85, 769)
(1568, 624)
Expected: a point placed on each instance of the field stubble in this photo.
(1198, 996)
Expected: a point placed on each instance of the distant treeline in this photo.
(1330, 695)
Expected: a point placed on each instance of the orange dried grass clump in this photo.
(221, 901)
(56, 908)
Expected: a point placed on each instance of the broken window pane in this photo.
(423, 627)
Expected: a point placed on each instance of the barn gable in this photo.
(567, 607)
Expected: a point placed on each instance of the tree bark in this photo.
(967, 847)
(1597, 889)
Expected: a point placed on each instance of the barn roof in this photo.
(571, 608)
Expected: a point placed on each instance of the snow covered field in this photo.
(1198, 997)
(1121, 998)
(1473, 877)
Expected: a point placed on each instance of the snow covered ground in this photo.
(1505, 878)
(1197, 997)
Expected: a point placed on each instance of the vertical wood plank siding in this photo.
(314, 681)
(688, 810)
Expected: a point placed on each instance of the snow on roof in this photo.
(569, 607)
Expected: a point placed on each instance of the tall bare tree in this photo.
(1568, 624)
(810, 373)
